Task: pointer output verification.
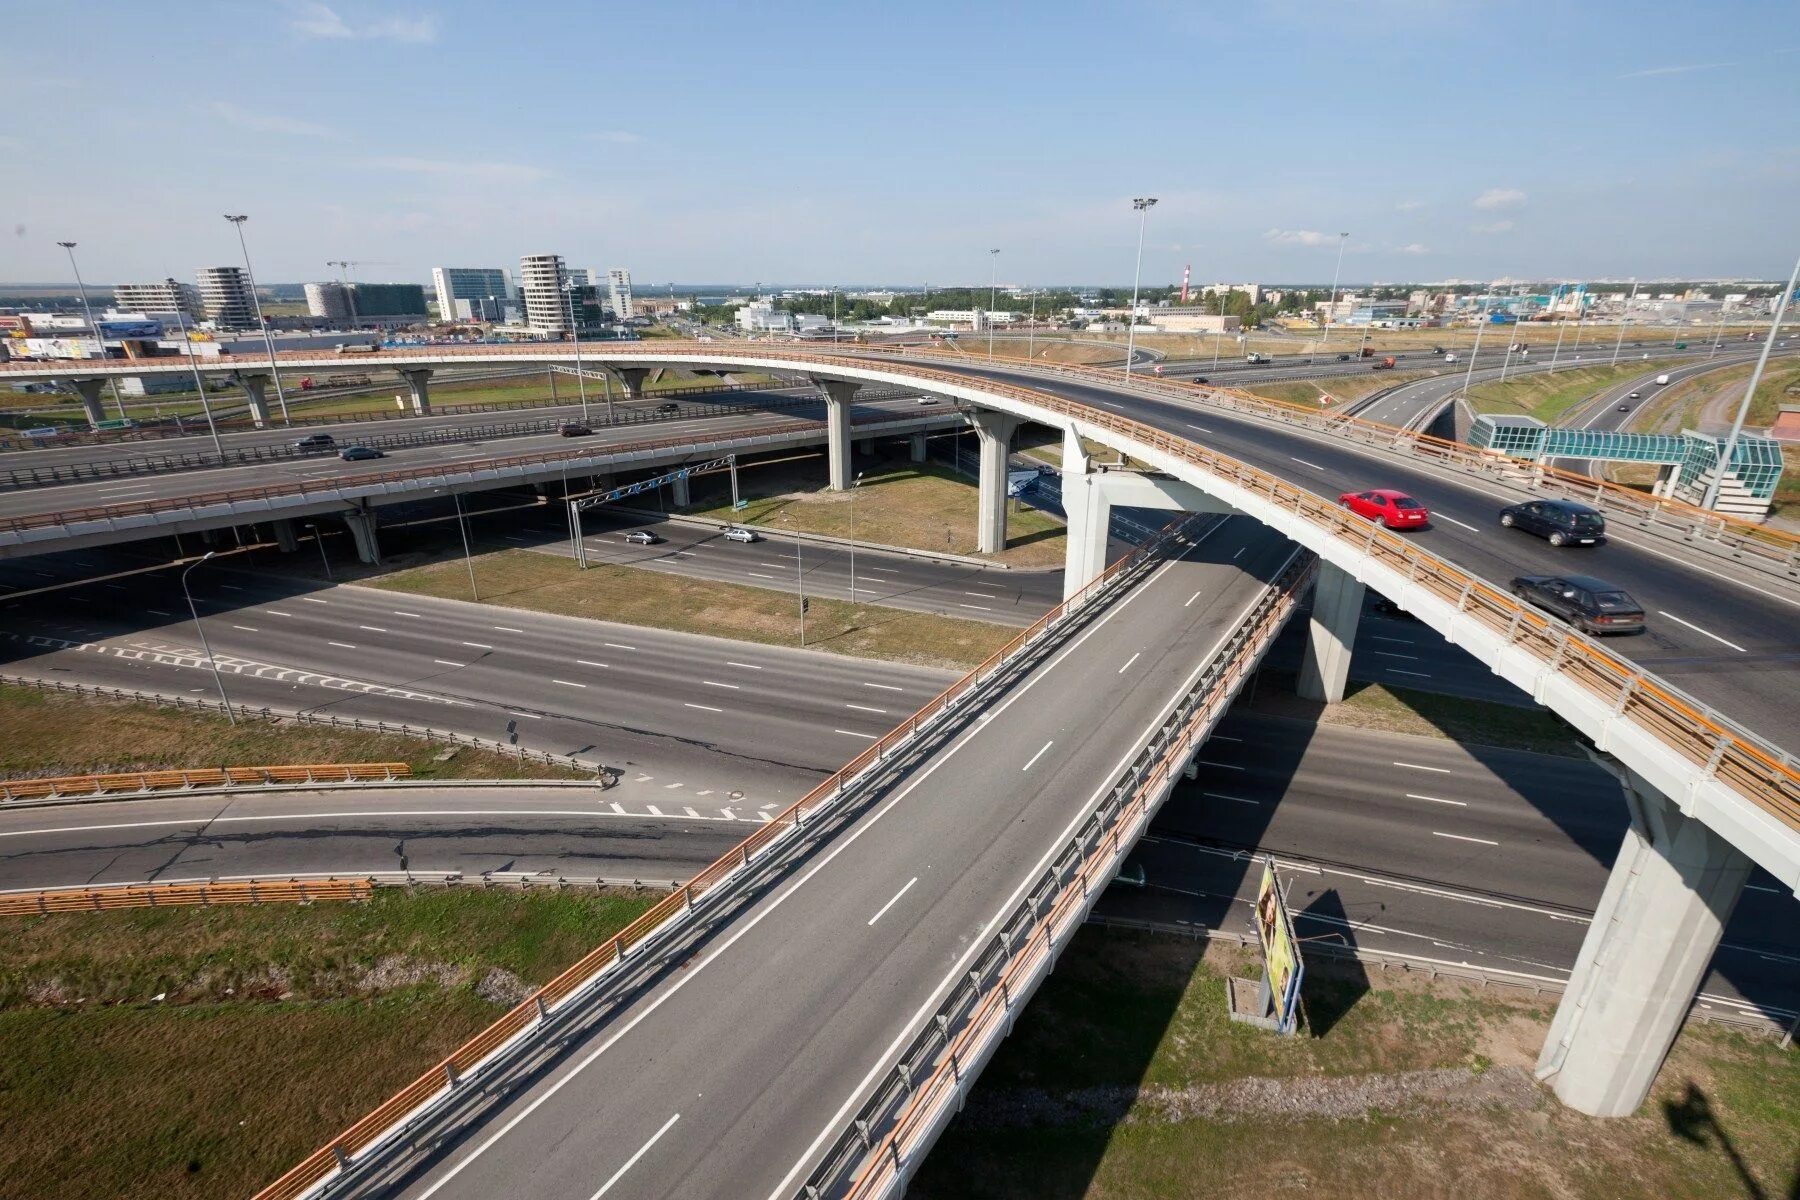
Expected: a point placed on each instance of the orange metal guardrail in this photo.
(62, 786)
(322, 1162)
(176, 895)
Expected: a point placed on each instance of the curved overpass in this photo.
(1729, 637)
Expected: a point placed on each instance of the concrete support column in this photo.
(915, 449)
(679, 494)
(254, 388)
(418, 380)
(994, 430)
(1665, 906)
(90, 389)
(1089, 512)
(285, 537)
(633, 379)
(362, 529)
(838, 395)
(1337, 607)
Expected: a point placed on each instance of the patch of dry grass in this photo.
(1425, 714)
(1343, 390)
(545, 583)
(44, 733)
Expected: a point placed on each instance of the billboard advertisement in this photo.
(130, 329)
(1281, 950)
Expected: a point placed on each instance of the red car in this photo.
(1396, 510)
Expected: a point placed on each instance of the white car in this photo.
(737, 533)
(926, 401)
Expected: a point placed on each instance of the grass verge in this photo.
(920, 506)
(544, 583)
(1124, 1079)
(240, 1070)
(1548, 396)
(1346, 389)
(1403, 710)
(47, 733)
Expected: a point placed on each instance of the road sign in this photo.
(1281, 950)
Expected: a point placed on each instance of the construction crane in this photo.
(345, 264)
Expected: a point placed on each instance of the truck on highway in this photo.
(1258, 360)
(1662, 381)
(1367, 352)
(308, 383)
(1386, 364)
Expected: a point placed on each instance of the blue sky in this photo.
(844, 143)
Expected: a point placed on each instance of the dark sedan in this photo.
(1591, 605)
(572, 429)
(1561, 522)
(359, 453)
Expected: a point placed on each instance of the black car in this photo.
(668, 408)
(316, 441)
(1343, 358)
(574, 430)
(1589, 604)
(359, 453)
(1563, 522)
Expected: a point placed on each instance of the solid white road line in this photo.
(444, 662)
(1239, 554)
(1440, 516)
(1033, 759)
(372, 628)
(508, 629)
(1376, 637)
(852, 733)
(886, 687)
(398, 613)
(1193, 598)
(314, 600)
(1201, 428)
(1460, 838)
(247, 628)
(702, 707)
(866, 708)
(160, 613)
(479, 645)
(617, 646)
(341, 645)
(1131, 660)
(568, 683)
(977, 607)
(982, 595)
(1715, 637)
(710, 683)
(883, 909)
(586, 663)
(632, 1161)
(1436, 800)
(1420, 767)
(1236, 799)
(1315, 466)
(758, 575)
(1207, 762)
(746, 666)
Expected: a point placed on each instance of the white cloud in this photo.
(616, 137)
(231, 114)
(1410, 205)
(1495, 198)
(1415, 248)
(1297, 237)
(1677, 70)
(486, 171)
(317, 20)
(1496, 227)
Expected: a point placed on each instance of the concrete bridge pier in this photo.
(633, 379)
(679, 494)
(1660, 919)
(993, 430)
(361, 522)
(285, 538)
(839, 393)
(1336, 610)
(89, 391)
(418, 380)
(255, 392)
(915, 448)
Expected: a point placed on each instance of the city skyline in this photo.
(1449, 144)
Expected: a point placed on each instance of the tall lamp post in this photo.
(1331, 313)
(1143, 205)
(199, 629)
(1624, 314)
(993, 290)
(857, 483)
(199, 383)
(575, 332)
(1762, 360)
(256, 305)
(99, 341)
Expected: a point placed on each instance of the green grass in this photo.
(1343, 390)
(1141, 1019)
(546, 583)
(280, 1027)
(47, 733)
(1547, 396)
(917, 505)
(1404, 710)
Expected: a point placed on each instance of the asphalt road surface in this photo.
(1729, 642)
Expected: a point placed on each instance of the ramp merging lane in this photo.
(824, 974)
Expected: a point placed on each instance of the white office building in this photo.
(477, 284)
(542, 283)
(618, 286)
(225, 297)
(761, 316)
(164, 296)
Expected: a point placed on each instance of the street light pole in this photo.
(575, 331)
(1469, 375)
(256, 305)
(99, 340)
(324, 559)
(855, 484)
(1623, 315)
(1762, 360)
(199, 629)
(1331, 313)
(1143, 205)
(199, 383)
(1562, 327)
(468, 558)
(993, 281)
(800, 583)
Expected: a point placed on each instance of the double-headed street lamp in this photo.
(1737, 426)
(99, 338)
(993, 290)
(1331, 313)
(575, 332)
(256, 306)
(1143, 205)
(201, 630)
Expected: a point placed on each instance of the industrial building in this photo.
(225, 297)
(1192, 319)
